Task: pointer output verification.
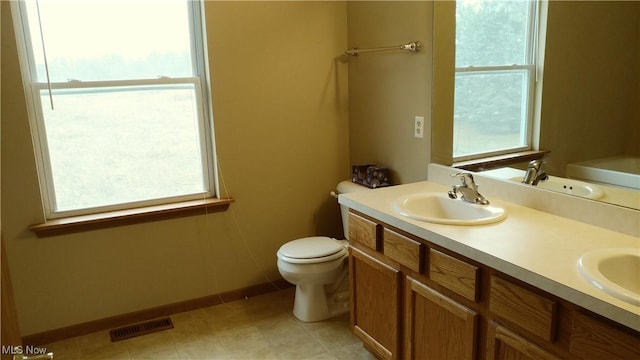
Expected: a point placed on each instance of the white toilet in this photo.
(319, 268)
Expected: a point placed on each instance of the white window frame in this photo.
(33, 88)
(533, 68)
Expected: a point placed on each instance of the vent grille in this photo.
(140, 329)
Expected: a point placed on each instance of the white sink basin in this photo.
(440, 209)
(614, 271)
(568, 186)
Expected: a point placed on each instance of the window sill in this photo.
(81, 223)
(500, 161)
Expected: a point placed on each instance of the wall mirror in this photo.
(591, 94)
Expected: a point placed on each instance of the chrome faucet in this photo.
(535, 173)
(467, 191)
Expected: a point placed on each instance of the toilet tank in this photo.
(345, 187)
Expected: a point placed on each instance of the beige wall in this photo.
(280, 108)
(444, 58)
(388, 89)
(590, 106)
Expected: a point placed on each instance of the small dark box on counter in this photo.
(371, 175)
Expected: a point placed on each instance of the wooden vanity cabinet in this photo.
(597, 339)
(375, 311)
(437, 327)
(375, 291)
(527, 310)
(524, 323)
(412, 299)
(383, 262)
(456, 275)
(503, 344)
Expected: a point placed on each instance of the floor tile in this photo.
(261, 327)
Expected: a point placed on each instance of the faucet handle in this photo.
(465, 178)
(468, 190)
(537, 163)
(534, 172)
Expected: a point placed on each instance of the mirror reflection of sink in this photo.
(568, 186)
(440, 209)
(614, 271)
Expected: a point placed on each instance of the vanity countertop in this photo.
(534, 246)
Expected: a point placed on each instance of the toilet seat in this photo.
(313, 249)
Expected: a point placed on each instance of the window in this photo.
(118, 102)
(495, 77)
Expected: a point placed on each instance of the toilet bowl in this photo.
(318, 266)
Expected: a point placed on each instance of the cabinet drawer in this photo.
(405, 251)
(592, 338)
(363, 231)
(456, 275)
(531, 312)
(504, 344)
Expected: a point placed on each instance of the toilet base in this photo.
(312, 304)
(322, 288)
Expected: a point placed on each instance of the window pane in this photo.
(115, 145)
(489, 111)
(491, 32)
(111, 40)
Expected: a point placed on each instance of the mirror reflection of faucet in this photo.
(467, 190)
(535, 173)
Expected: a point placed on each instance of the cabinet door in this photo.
(375, 312)
(436, 326)
(503, 344)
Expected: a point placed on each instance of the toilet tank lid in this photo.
(348, 186)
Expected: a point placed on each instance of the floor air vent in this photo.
(140, 329)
